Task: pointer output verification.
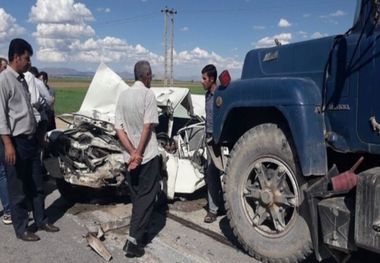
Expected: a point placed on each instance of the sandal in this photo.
(210, 217)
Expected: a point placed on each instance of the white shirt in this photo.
(44, 92)
(137, 106)
(39, 95)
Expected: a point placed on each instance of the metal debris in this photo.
(120, 223)
(98, 246)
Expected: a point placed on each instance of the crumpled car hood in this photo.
(101, 97)
(106, 86)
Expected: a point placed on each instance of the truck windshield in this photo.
(357, 12)
(375, 11)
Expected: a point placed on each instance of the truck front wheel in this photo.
(264, 196)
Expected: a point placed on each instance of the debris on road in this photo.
(120, 223)
(98, 246)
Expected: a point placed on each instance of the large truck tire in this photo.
(264, 196)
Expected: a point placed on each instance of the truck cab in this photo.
(306, 106)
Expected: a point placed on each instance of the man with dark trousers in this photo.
(135, 119)
(212, 177)
(19, 148)
(7, 220)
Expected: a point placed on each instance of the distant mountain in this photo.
(67, 72)
(126, 75)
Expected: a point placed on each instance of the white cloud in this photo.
(8, 27)
(330, 18)
(303, 33)
(306, 15)
(63, 11)
(338, 13)
(51, 55)
(70, 38)
(318, 35)
(55, 34)
(284, 38)
(58, 31)
(284, 23)
(185, 28)
(198, 57)
(103, 10)
(257, 27)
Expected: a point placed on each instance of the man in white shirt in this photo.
(135, 119)
(41, 101)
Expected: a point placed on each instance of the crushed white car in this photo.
(88, 153)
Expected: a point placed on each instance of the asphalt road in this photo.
(171, 241)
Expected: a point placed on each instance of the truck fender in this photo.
(297, 99)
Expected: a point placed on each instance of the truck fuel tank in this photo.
(367, 216)
(337, 222)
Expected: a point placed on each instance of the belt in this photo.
(25, 136)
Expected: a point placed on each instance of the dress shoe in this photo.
(49, 228)
(210, 217)
(132, 250)
(28, 236)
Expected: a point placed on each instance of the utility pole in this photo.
(171, 53)
(168, 13)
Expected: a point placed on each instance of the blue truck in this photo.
(288, 132)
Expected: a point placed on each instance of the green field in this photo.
(70, 92)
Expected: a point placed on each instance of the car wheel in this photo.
(68, 191)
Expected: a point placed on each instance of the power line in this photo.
(271, 7)
(128, 19)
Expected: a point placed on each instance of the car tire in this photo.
(83, 194)
(264, 196)
(68, 191)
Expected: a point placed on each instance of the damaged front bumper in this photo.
(87, 154)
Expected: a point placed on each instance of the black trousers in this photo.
(144, 186)
(25, 184)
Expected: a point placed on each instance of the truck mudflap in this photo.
(367, 217)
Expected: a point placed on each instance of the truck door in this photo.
(341, 97)
(368, 88)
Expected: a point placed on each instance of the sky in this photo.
(80, 34)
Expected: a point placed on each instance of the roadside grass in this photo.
(68, 100)
(70, 92)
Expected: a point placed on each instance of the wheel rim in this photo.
(270, 196)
